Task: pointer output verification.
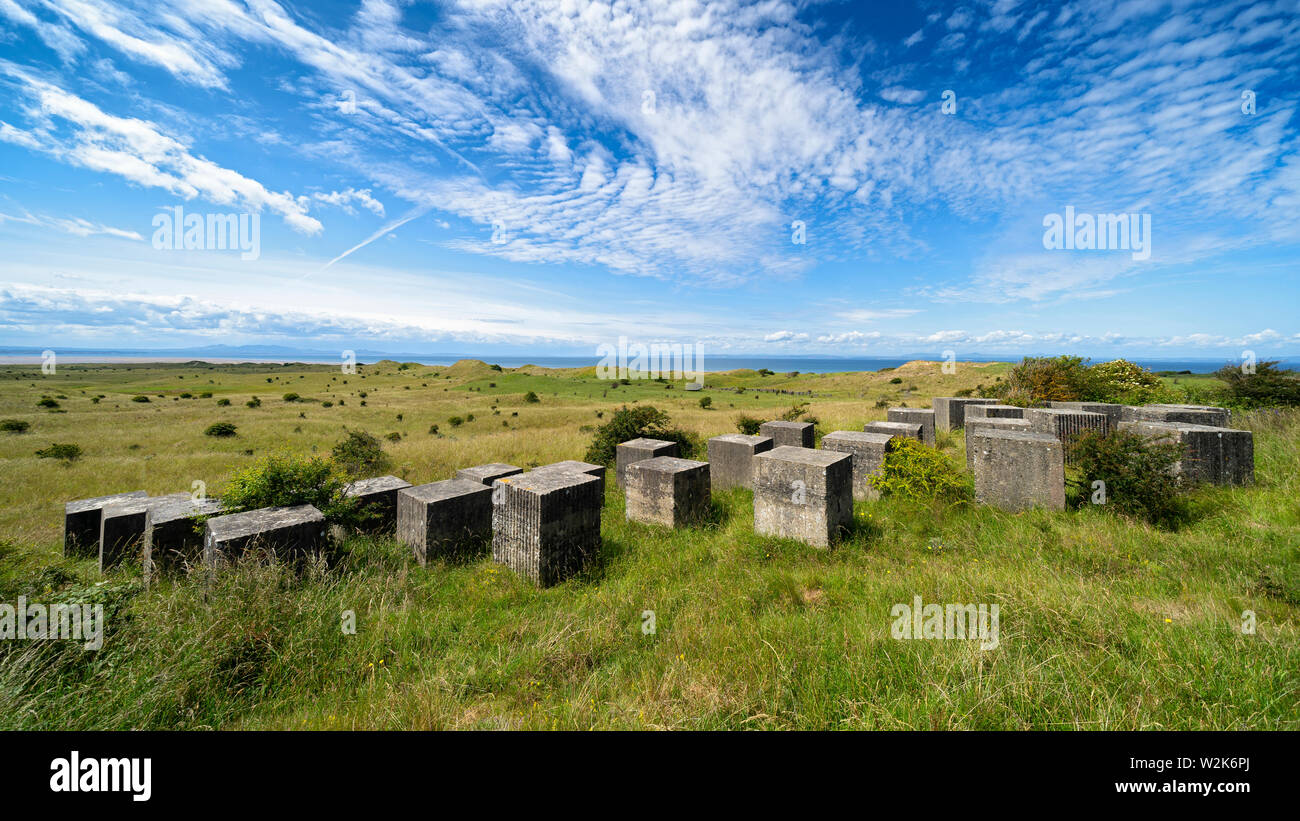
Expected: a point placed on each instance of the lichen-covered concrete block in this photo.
(915, 416)
(911, 430)
(731, 458)
(788, 434)
(122, 526)
(377, 496)
(1066, 425)
(171, 541)
(950, 411)
(667, 491)
(1114, 413)
(546, 524)
(993, 412)
(1017, 470)
(636, 450)
(447, 519)
(81, 520)
(1213, 454)
(289, 532)
(803, 494)
(974, 425)
(487, 474)
(575, 466)
(1186, 414)
(867, 451)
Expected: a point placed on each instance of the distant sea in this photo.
(780, 364)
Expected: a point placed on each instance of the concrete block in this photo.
(867, 451)
(574, 466)
(1212, 454)
(487, 474)
(731, 458)
(914, 416)
(291, 532)
(996, 423)
(122, 526)
(993, 412)
(634, 450)
(1017, 470)
(379, 496)
(81, 520)
(447, 519)
(546, 524)
(788, 434)
(803, 494)
(1114, 413)
(667, 491)
(1186, 414)
(171, 541)
(950, 411)
(912, 430)
(1066, 425)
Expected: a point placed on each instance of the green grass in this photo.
(1105, 623)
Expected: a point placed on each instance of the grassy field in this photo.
(1105, 623)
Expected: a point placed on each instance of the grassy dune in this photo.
(1105, 623)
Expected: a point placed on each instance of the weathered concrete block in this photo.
(546, 524)
(788, 434)
(122, 526)
(950, 411)
(1066, 425)
(667, 491)
(451, 518)
(1213, 454)
(634, 450)
(993, 412)
(1186, 414)
(574, 466)
(731, 458)
(867, 451)
(912, 430)
(379, 496)
(1016, 470)
(487, 474)
(81, 520)
(1114, 413)
(803, 494)
(171, 542)
(996, 423)
(293, 532)
(915, 416)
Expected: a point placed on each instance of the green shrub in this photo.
(14, 425)
(254, 403)
(1043, 379)
(897, 380)
(912, 470)
(60, 451)
(455, 421)
(220, 429)
(433, 430)
(360, 455)
(706, 401)
(1268, 386)
(140, 398)
(284, 479)
(531, 397)
(1122, 382)
(631, 423)
(393, 437)
(222, 402)
(1137, 473)
(291, 397)
(748, 425)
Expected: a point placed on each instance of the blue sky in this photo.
(547, 177)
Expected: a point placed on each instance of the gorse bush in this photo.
(1072, 379)
(14, 425)
(360, 455)
(1122, 382)
(220, 429)
(748, 425)
(48, 402)
(283, 479)
(1136, 473)
(531, 397)
(65, 452)
(1268, 386)
(912, 470)
(630, 423)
